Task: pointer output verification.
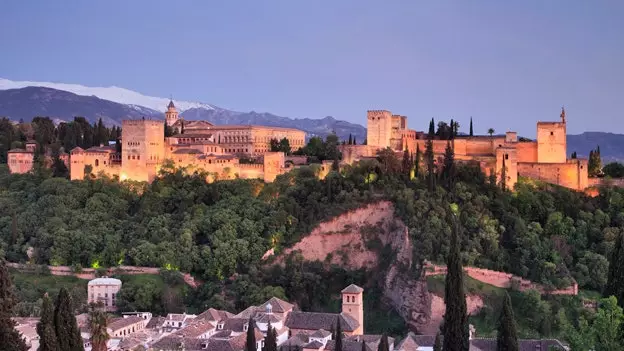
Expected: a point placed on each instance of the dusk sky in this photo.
(506, 63)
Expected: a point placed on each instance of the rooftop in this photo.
(105, 281)
(119, 323)
(352, 289)
(316, 321)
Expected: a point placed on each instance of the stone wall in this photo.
(571, 174)
(551, 142)
(593, 182)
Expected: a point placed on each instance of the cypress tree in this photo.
(471, 131)
(270, 342)
(504, 175)
(354, 142)
(430, 163)
(45, 327)
(10, 338)
(407, 164)
(448, 172)
(350, 140)
(452, 128)
(615, 281)
(417, 160)
(250, 344)
(364, 346)
(431, 129)
(456, 334)
(437, 345)
(383, 344)
(338, 345)
(67, 332)
(507, 339)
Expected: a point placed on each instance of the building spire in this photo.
(563, 114)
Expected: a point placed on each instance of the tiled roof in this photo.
(173, 343)
(235, 324)
(176, 317)
(296, 340)
(15, 151)
(196, 328)
(155, 322)
(120, 323)
(267, 318)
(316, 321)
(347, 346)
(187, 151)
(424, 340)
(212, 314)
(321, 333)
(352, 289)
(408, 344)
(279, 305)
(313, 345)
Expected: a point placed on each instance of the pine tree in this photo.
(67, 332)
(250, 344)
(338, 345)
(383, 344)
(448, 172)
(97, 326)
(437, 345)
(507, 339)
(10, 338)
(45, 327)
(456, 334)
(471, 130)
(615, 281)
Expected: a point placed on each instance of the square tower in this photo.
(379, 128)
(353, 305)
(142, 149)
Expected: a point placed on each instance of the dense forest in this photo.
(219, 231)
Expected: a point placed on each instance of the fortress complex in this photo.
(198, 146)
(544, 159)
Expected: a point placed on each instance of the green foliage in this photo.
(604, 333)
(30, 287)
(614, 170)
(471, 130)
(97, 328)
(594, 164)
(11, 339)
(250, 342)
(455, 317)
(338, 336)
(383, 344)
(615, 282)
(318, 149)
(45, 327)
(507, 338)
(270, 341)
(67, 332)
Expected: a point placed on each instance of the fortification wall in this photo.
(379, 128)
(527, 152)
(572, 174)
(551, 142)
(619, 182)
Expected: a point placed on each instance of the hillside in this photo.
(611, 145)
(30, 102)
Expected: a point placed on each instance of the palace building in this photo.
(197, 146)
(543, 159)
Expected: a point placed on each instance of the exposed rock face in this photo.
(353, 241)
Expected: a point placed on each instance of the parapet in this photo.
(378, 113)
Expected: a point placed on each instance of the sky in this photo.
(505, 63)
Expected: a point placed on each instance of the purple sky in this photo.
(506, 63)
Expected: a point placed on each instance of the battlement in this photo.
(140, 122)
(378, 114)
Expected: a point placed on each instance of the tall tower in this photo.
(353, 305)
(171, 116)
(551, 141)
(379, 128)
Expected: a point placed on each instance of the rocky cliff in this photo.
(357, 239)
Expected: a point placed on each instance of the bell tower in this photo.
(171, 116)
(353, 305)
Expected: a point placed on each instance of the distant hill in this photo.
(29, 102)
(611, 145)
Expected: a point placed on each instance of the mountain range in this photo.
(61, 102)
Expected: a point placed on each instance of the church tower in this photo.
(353, 305)
(171, 116)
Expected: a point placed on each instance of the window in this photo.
(97, 162)
(506, 156)
(552, 133)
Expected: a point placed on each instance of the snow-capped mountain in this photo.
(115, 94)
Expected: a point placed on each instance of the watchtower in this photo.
(353, 305)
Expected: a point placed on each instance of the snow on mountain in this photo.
(113, 93)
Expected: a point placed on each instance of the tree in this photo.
(507, 339)
(274, 145)
(97, 327)
(456, 334)
(614, 170)
(250, 343)
(431, 132)
(448, 171)
(338, 344)
(270, 342)
(383, 344)
(284, 146)
(615, 280)
(364, 346)
(350, 139)
(407, 164)
(59, 169)
(504, 175)
(594, 164)
(354, 141)
(471, 130)
(45, 327)
(574, 155)
(491, 131)
(604, 334)
(437, 345)
(417, 160)
(11, 339)
(430, 164)
(67, 332)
